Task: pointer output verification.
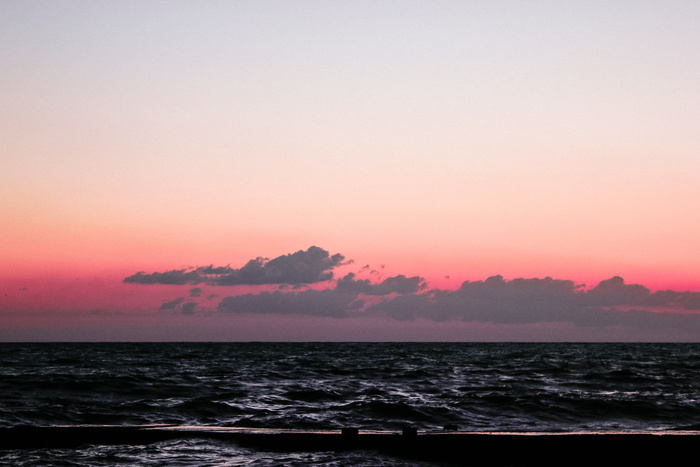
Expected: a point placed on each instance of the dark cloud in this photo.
(520, 289)
(612, 302)
(398, 284)
(689, 300)
(303, 267)
(309, 302)
(614, 291)
(171, 305)
(175, 277)
(179, 305)
(494, 300)
(212, 270)
(521, 301)
(188, 308)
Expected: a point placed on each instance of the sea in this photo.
(557, 387)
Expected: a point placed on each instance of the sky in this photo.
(422, 170)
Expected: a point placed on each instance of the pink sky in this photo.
(448, 140)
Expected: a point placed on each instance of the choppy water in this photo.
(479, 387)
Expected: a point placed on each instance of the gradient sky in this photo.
(451, 140)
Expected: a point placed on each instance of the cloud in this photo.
(523, 301)
(689, 300)
(303, 267)
(178, 305)
(398, 284)
(343, 301)
(494, 300)
(188, 308)
(614, 291)
(175, 277)
(310, 302)
(171, 305)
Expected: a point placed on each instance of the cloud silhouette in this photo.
(612, 302)
(174, 277)
(522, 301)
(188, 308)
(303, 267)
(398, 284)
(494, 300)
(171, 305)
(309, 302)
(614, 291)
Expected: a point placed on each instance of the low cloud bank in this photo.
(398, 284)
(524, 301)
(494, 300)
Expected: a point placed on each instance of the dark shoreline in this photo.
(474, 448)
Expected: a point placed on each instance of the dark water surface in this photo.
(479, 387)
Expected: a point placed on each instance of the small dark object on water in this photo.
(451, 427)
(350, 431)
(409, 431)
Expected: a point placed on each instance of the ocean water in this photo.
(372, 386)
